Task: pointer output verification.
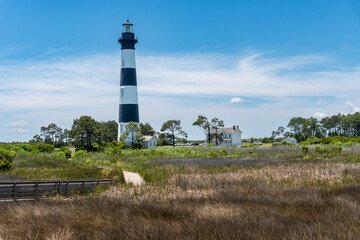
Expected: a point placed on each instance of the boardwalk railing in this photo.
(41, 188)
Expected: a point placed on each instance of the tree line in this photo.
(335, 125)
(84, 132)
(87, 133)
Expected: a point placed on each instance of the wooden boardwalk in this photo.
(18, 189)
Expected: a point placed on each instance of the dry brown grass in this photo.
(315, 201)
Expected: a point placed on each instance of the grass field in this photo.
(277, 192)
(49, 166)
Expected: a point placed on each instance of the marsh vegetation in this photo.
(278, 192)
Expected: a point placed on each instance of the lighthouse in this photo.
(128, 107)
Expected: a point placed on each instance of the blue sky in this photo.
(254, 63)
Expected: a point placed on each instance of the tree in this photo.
(215, 124)
(66, 136)
(57, 135)
(296, 125)
(281, 130)
(315, 128)
(173, 128)
(203, 123)
(52, 132)
(85, 131)
(146, 129)
(132, 134)
(108, 131)
(164, 139)
(274, 134)
(36, 138)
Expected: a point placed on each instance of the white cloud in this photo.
(36, 93)
(319, 115)
(352, 107)
(236, 100)
(14, 130)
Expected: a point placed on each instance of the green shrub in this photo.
(223, 152)
(312, 140)
(80, 154)
(138, 145)
(116, 147)
(326, 140)
(5, 163)
(116, 150)
(210, 145)
(41, 147)
(213, 154)
(320, 150)
(339, 149)
(305, 149)
(66, 151)
(8, 154)
(350, 143)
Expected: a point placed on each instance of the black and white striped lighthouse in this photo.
(128, 107)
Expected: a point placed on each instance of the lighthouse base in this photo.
(121, 129)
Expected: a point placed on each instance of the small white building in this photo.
(227, 136)
(290, 140)
(149, 141)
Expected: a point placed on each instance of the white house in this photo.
(149, 141)
(227, 136)
(290, 140)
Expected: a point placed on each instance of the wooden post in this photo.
(15, 191)
(97, 184)
(83, 187)
(67, 188)
(60, 190)
(37, 190)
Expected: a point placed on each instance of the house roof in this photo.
(147, 138)
(225, 130)
(290, 139)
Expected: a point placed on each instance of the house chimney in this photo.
(237, 126)
(151, 133)
(233, 127)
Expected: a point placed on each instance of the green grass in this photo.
(196, 193)
(48, 166)
(157, 165)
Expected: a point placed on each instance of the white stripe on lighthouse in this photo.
(128, 58)
(121, 129)
(128, 95)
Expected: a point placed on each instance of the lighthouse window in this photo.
(127, 28)
(122, 63)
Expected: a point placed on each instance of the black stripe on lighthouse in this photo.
(128, 113)
(128, 77)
